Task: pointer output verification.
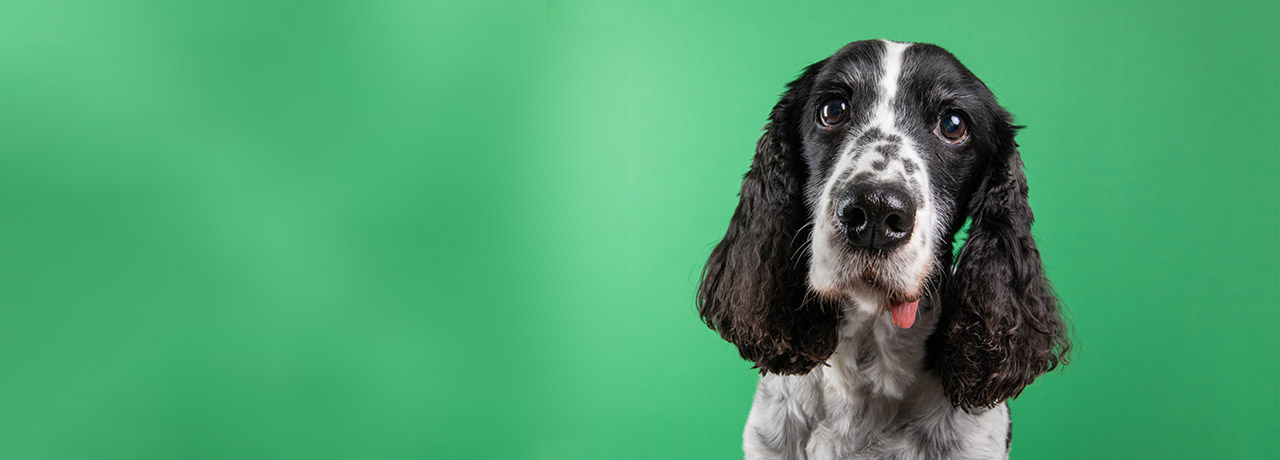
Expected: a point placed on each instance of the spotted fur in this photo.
(839, 379)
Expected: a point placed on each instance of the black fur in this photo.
(754, 289)
(999, 326)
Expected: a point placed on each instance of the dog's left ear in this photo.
(1000, 326)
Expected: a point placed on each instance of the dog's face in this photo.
(869, 165)
(891, 147)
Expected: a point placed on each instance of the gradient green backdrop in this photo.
(399, 229)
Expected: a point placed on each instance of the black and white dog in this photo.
(868, 167)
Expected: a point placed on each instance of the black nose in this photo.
(876, 216)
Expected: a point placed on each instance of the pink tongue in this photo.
(904, 314)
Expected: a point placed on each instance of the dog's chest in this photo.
(799, 417)
(874, 400)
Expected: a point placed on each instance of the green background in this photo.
(399, 229)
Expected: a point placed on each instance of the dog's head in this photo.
(869, 165)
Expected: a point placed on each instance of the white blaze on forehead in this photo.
(892, 64)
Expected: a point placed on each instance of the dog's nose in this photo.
(876, 217)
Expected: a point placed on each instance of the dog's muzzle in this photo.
(878, 217)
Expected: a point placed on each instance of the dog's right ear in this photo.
(754, 288)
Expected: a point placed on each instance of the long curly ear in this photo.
(1000, 324)
(754, 287)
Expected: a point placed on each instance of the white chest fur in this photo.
(874, 399)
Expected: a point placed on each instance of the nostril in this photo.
(897, 223)
(855, 217)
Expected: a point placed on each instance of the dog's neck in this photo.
(877, 359)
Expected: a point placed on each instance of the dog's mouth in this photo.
(878, 283)
(901, 303)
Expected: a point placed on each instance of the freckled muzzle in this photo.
(878, 217)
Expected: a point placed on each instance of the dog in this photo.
(837, 278)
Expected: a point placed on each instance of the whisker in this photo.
(800, 231)
(803, 247)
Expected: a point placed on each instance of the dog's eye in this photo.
(951, 128)
(834, 112)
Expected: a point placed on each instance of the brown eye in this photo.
(834, 112)
(951, 128)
